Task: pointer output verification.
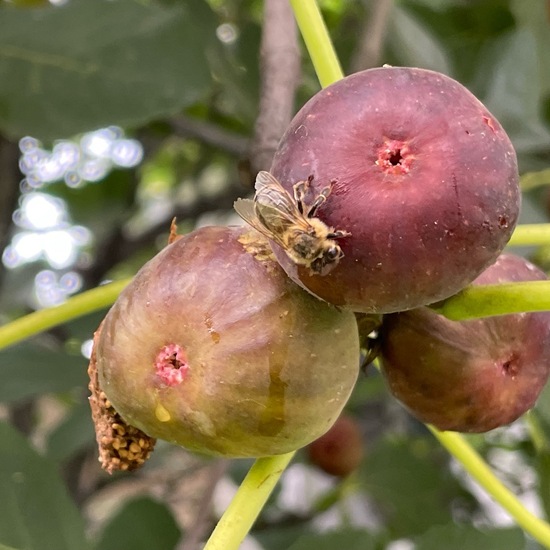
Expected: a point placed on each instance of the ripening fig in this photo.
(338, 452)
(415, 183)
(469, 376)
(212, 347)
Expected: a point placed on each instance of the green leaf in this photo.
(410, 482)
(349, 539)
(514, 90)
(455, 537)
(280, 537)
(535, 19)
(89, 64)
(414, 44)
(542, 463)
(74, 433)
(35, 511)
(29, 369)
(142, 524)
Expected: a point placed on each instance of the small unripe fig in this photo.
(340, 451)
(469, 376)
(420, 181)
(212, 347)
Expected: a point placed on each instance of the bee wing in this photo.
(265, 179)
(275, 207)
(247, 211)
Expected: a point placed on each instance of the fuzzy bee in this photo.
(292, 224)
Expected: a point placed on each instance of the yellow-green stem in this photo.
(479, 470)
(82, 304)
(533, 234)
(248, 502)
(488, 300)
(260, 481)
(317, 40)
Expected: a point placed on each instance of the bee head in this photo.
(332, 253)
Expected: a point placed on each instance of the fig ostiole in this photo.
(469, 376)
(214, 348)
(424, 186)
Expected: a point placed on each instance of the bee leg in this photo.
(319, 200)
(300, 191)
(338, 234)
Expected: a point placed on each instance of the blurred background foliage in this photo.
(115, 117)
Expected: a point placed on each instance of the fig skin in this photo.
(425, 180)
(212, 347)
(340, 451)
(469, 376)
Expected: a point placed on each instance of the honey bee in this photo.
(292, 224)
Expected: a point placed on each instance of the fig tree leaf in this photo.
(35, 509)
(410, 483)
(536, 20)
(456, 537)
(415, 44)
(144, 524)
(85, 65)
(28, 369)
(542, 463)
(514, 90)
(73, 434)
(349, 539)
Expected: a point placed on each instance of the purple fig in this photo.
(469, 376)
(420, 182)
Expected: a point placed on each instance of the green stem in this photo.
(79, 305)
(317, 40)
(532, 180)
(263, 476)
(488, 300)
(536, 432)
(482, 473)
(247, 503)
(534, 234)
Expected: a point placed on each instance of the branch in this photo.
(211, 134)
(372, 39)
(195, 535)
(280, 73)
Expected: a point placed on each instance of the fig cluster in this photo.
(392, 189)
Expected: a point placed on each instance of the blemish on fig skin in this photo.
(489, 122)
(171, 365)
(503, 222)
(210, 327)
(395, 157)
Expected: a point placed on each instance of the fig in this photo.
(420, 182)
(340, 451)
(212, 347)
(469, 376)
